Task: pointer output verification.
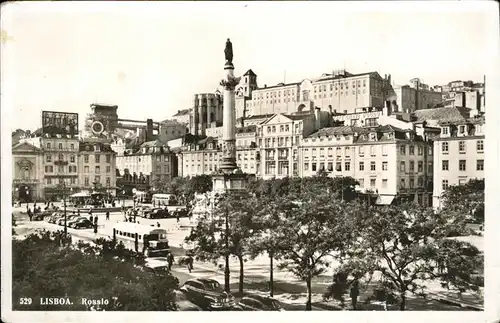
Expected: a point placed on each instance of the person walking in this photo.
(177, 216)
(30, 215)
(354, 293)
(170, 260)
(107, 215)
(91, 218)
(158, 224)
(95, 227)
(190, 261)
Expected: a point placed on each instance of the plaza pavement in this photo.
(288, 288)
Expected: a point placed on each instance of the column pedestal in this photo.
(234, 183)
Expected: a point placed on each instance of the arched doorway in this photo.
(24, 193)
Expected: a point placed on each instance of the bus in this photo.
(150, 240)
(164, 199)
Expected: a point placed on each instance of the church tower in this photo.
(248, 83)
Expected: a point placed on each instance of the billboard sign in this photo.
(64, 123)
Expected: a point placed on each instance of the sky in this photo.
(151, 58)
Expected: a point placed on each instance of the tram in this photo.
(150, 240)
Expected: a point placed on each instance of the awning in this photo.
(80, 194)
(384, 199)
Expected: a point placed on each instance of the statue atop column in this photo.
(228, 51)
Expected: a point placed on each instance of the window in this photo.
(313, 167)
(97, 158)
(420, 182)
(429, 167)
(444, 147)
(445, 184)
(61, 157)
(72, 158)
(480, 164)
(402, 166)
(412, 166)
(480, 146)
(306, 166)
(361, 151)
(347, 166)
(338, 166)
(461, 146)
(97, 179)
(73, 180)
(48, 158)
(361, 165)
(420, 150)
(108, 181)
(86, 158)
(330, 166)
(60, 146)
(372, 151)
(372, 166)
(86, 181)
(403, 183)
(445, 165)
(411, 150)
(384, 183)
(461, 129)
(373, 182)
(420, 166)
(462, 165)
(384, 165)
(412, 182)
(444, 130)
(384, 150)
(402, 150)
(49, 169)
(72, 146)
(49, 181)
(108, 169)
(361, 182)
(48, 145)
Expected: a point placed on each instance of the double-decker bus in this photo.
(150, 240)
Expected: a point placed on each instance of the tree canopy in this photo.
(465, 200)
(408, 247)
(42, 268)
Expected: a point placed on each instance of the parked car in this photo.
(83, 224)
(144, 211)
(69, 218)
(54, 217)
(156, 268)
(255, 302)
(183, 303)
(156, 213)
(75, 220)
(208, 294)
(181, 212)
(39, 216)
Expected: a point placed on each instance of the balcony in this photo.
(61, 175)
(61, 162)
(25, 181)
(282, 157)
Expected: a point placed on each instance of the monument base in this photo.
(234, 182)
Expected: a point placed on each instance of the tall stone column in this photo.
(229, 177)
(229, 119)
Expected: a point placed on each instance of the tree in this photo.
(311, 227)
(407, 246)
(264, 239)
(209, 236)
(465, 200)
(42, 268)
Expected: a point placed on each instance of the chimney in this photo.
(265, 85)
(317, 120)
